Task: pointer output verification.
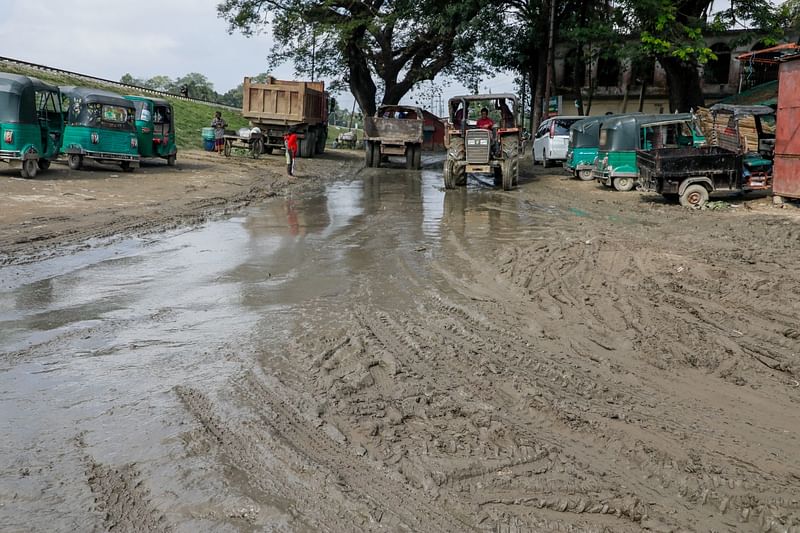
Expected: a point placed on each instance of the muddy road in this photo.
(218, 348)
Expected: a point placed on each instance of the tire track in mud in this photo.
(749, 489)
(488, 441)
(121, 497)
(252, 455)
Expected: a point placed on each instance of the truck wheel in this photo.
(29, 168)
(449, 175)
(43, 164)
(75, 161)
(417, 157)
(322, 138)
(508, 174)
(624, 184)
(694, 196)
(410, 156)
(257, 148)
(376, 154)
(368, 154)
(585, 174)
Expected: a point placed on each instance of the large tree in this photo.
(398, 43)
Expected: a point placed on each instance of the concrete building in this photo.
(618, 86)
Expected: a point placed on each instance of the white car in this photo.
(551, 139)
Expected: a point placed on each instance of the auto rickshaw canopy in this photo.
(98, 108)
(622, 133)
(18, 98)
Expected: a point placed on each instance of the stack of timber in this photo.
(722, 130)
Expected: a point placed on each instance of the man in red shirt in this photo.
(485, 122)
(290, 145)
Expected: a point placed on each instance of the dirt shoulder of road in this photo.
(62, 209)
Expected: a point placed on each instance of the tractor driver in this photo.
(485, 122)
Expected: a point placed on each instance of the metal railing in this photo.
(145, 90)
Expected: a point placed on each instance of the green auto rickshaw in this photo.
(155, 126)
(99, 127)
(584, 136)
(621, 136)
(31, 122)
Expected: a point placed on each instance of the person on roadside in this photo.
(484, 122)
(219, 126)
(290, 145)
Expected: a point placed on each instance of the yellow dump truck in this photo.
(278, 106)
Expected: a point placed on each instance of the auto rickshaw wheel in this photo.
(75, 161)
(29, 168)
(268, 150)
(694, 196)
(43, 164)
(171, 159)
(623, 184)
(126, 166)
(585, 174)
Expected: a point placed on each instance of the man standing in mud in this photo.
(290, 145)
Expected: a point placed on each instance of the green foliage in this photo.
(367, 45)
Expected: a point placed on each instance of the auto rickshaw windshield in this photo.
(95, 114)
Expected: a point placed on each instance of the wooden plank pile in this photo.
(722, 131)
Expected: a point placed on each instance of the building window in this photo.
(574, 69)
(608, 72)
(717, 71)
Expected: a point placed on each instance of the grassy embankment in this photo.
(190, 117)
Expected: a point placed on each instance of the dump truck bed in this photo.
(284, 102)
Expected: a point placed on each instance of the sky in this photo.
(146, 38)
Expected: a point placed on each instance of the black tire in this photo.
(171, 160)
(268, 150)
(30, 168)
(449, 174)
(497, 174)
(225, 150)
(410, 156)
(306, 148)
(75, 161)
(368, 154)
(126, 166)
(376, 154)
(322, 138)
(585, 174)
(43, 164)
(507, 169)
(417, 157)
(695, 196)
(624, 184)
(256, 148)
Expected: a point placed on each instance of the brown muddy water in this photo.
(382, 356)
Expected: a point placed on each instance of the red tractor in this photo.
(483, 136)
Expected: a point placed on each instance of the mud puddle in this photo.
(96, 344)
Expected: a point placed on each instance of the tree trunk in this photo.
(538, 103)
(683, 81)
(360, 80)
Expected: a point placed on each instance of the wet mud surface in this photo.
(355, 350)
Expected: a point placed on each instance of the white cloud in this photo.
(108, 38)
